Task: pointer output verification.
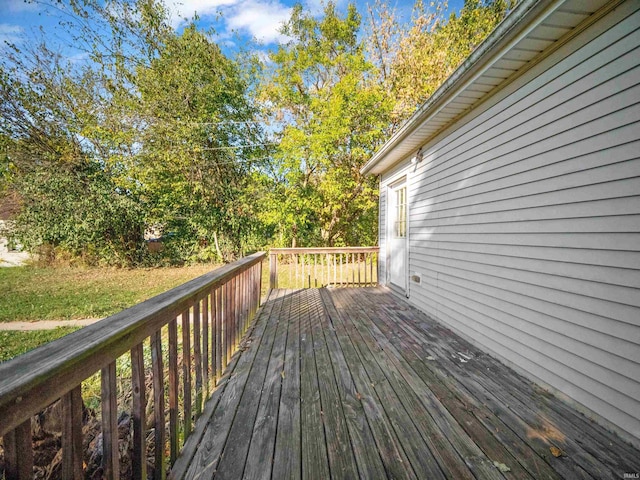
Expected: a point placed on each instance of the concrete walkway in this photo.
(46, 324)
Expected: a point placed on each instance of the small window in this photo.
(400, 226)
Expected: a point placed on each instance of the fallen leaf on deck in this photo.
(358, 396)
(501, 466)
(556, 452)
(430, 358)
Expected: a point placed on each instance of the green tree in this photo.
(325, 88)
(197, 146)
(77, 210)
(432, 48)
(68, 202)
(151, 121)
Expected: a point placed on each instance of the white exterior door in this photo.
(397, 235)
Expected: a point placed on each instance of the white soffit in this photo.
(531, 28)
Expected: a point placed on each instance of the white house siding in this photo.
(525, 221)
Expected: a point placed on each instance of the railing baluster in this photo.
(232, 317)
(250, 293)
(186, 372)
(290, 268)
(158, 406)
(259, 286)
(257, 274)
(216, 338)
(226, 324)
(18, 452)
(110, 460)
(251, 285)
(197, 356)
(273, 270)
(139, 403)
(353, 270)
(205, 344)
(174, 387)
(246, 285)
(240, 313)
(219, 332)
(373, 282)
(237, 305)
(72, 434)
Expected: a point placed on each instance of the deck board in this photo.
(315, 462)
(262, 444)
(287, 456)
(356, 383)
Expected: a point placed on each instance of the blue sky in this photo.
(259, 19)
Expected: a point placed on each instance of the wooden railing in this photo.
(321, 267)
(215, 311)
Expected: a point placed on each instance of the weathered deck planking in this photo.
(341, 459)
(355, 383)
(315, 462)
(524, 406)
(287, 456)
(259, 459)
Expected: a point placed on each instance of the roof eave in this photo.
(524, 12)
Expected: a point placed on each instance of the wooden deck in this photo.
(355, 383)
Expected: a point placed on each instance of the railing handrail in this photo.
(34, 380)
(312, 250)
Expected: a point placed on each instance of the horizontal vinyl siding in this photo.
(525, 222)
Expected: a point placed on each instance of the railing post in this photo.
(273, 271)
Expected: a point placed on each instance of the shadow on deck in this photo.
(355, 383)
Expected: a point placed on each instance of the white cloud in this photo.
(259, 18)
(10, 33)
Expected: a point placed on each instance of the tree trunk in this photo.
(215, 241)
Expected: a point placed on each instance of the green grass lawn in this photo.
(32, 293)
(64, 293)
(14, 343)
